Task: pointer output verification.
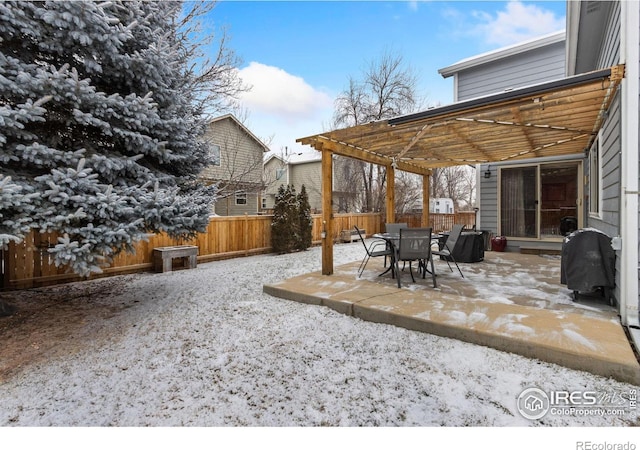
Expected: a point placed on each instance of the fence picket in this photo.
(28, 263)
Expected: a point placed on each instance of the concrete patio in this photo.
(511, 302)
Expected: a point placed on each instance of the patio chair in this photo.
(415, 245)
(394, 228)
(371, 251)
(449, 245)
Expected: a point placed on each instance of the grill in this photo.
(588, 263)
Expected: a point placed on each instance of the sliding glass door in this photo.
(539, 201)
(558, 199)
(518, 202)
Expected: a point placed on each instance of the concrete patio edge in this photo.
(619, 364)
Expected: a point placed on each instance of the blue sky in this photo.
(299, 55)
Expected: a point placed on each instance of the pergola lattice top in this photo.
(550, 119)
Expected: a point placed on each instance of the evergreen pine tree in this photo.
(280, 233)
(285, 231)
(292, 224)
(305, 222)
(99, 136)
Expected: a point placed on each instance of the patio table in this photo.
(393, 240)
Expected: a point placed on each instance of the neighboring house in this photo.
(295, 169)
(237, 169)
(507, 200)
(302, 168)
(441, 206)
(527, 200)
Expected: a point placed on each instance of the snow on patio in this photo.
(206, 347)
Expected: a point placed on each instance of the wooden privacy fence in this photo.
(29, 264)
(440, 222)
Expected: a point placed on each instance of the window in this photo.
(280, 173)
(241, 198)
(595, 183)
(215, 154)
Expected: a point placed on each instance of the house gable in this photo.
(240, 165)
(526, 64)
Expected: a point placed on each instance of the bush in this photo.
(291, 226)
(305, 222)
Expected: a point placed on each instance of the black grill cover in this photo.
(588, 261)
(469, 247)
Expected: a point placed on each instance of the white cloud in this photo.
(278, 93)
(281, 107)
(516, 23)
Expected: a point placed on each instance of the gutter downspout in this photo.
(630, 52)
(573, 19)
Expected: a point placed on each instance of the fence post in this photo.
(246, 234)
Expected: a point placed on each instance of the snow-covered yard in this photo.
(207, 347)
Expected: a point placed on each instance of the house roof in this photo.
(297, 158)
(242, 127)
(549, 119)
(305, 157)
(503, 52)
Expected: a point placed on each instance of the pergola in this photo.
(550, 119)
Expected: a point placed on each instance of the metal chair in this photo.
(415, 245)
(449, 246)
(394, 228)
(371, 252)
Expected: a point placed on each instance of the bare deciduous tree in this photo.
(456, 183)
(408, 192)
(212, 64)
(387, 89)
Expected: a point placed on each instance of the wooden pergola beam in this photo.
(327, 212)
(391, 194)
(322, 143)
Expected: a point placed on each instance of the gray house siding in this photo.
(610, 138)
(609, 54)
(488, 212)
(309, 174)
(525, 69)
(272, 182)
(240, 154)
(609, 220)
(239, 169)
(227, 206)
(296, 174)
(515, 71)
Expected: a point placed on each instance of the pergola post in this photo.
(425, 201)
(327, 212)
(391, 194)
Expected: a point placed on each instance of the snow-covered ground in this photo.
(206, 347)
